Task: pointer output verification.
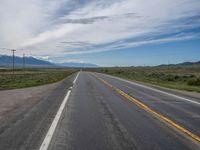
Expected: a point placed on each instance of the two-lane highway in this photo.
(93, 111)
(99, 115)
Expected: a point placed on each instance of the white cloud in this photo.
(40, 57)
(41, 26)
(74, 61)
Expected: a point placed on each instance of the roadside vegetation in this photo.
(176, 77)
(31, 77)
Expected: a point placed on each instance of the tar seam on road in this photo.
(49, 135)
(159, 91)
(150, 110)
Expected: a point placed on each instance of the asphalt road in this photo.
(97, 117)
(100, 116)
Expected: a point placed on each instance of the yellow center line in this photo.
(150, 110)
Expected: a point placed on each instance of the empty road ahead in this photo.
(107, 113)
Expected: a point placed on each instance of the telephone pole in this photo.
(13, 50)
(23, 60)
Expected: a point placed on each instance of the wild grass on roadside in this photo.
(34, 77)
(183, 78)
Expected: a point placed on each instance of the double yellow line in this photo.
(153, 112)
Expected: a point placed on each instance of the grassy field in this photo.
(183, 78)
(31, 77)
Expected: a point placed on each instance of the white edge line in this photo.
(76, 78)
(49, 135)
(156, 90)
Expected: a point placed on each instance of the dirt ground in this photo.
(15, 101)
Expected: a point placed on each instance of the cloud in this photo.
(74, 61)
(84, 20)
(59, 27)
(46, 58)
(77, 44)
(120, 45)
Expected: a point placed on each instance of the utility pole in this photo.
(23, 60)
(13, 50)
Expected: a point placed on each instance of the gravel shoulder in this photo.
(26, 114)
(12, 101)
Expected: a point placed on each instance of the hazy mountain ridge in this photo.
(6, 61)
(182, 64)
(29, 61)
(77, 65)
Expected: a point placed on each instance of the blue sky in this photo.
(173, 52)
(104, 32)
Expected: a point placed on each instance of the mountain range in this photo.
(77, 65)
(6, 61)
(182, 64)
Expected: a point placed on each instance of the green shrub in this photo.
(195, 82)
(106, 70)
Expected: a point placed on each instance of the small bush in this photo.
(169, 78)
(195, 82)
(120, 72)
(106, 70)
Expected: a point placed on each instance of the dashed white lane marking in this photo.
(49, 135)
(156, 90)
(76, 78)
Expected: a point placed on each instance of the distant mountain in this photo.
(6, 61)
(77, 65)
(189, 63)
(182, 64)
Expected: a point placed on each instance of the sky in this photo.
(103, 32)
